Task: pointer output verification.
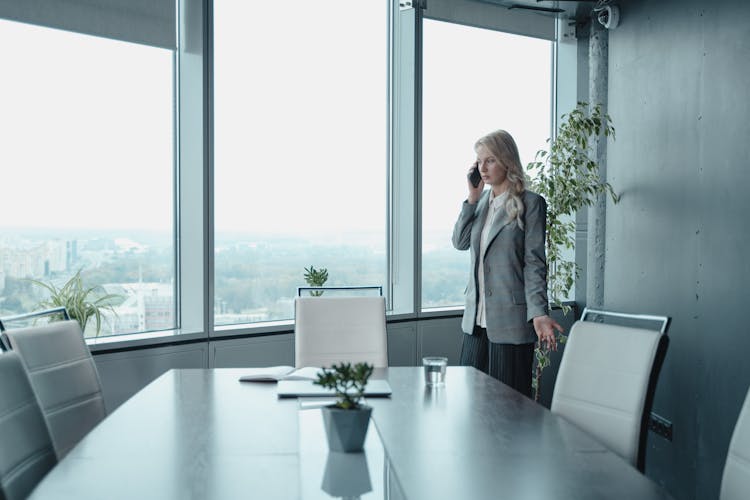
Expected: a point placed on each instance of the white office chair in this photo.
(331, 330)
(64, 378)
(26, 452)
(603, 382)
(735, 483)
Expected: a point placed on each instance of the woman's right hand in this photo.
(474, 192)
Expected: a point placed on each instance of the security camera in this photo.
(608, 16)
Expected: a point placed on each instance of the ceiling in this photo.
(567, 9)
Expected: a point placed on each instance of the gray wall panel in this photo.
(271, 350)
(676, 243)
(402, 344)
(440, 337)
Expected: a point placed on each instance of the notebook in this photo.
(306, 388)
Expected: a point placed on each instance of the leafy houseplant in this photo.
(316, 277)
(346, 421)
(568, 178)
(82, 303)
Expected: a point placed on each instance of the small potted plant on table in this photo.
(346, 421)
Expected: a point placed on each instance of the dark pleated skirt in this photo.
(511, 364)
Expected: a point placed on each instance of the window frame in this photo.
(194, 169)
(114, 22)
(493, 18)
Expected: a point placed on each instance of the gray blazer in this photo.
(515, 269)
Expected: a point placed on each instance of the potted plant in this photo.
(316, 277)
(568, 178)
(82, 303)
(346, 421)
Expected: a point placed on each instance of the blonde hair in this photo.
(502, 146)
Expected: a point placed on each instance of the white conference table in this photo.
(202, 434)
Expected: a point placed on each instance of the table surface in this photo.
(202, 434)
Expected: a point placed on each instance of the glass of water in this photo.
(434, 370)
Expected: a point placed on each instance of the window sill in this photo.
(250, 329)
(137, 340)
(440, 312)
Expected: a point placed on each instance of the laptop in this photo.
(306, 388)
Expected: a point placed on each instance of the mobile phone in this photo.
(475, 177)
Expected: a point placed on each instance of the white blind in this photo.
(148, 22)
(489, 15)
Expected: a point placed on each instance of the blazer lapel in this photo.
(497, 225)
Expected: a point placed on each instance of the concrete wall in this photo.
(679, 95)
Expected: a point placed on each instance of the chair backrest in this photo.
(26, 452)
(735, 484)
(603, 383)
(331, 330)
(64, 378)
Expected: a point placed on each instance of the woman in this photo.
(506, 299)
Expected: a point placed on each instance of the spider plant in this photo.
(81, 302)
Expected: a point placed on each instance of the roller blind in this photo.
(147, 22)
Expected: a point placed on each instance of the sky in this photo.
(476, 81)
(86, 136)
(300, 116)
(86, 131)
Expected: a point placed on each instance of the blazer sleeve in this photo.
(535, 261)
(462, 230)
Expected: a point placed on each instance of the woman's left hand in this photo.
(545, 327)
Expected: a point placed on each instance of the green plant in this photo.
(82, 303)
(316, 277)
(568, 178)
(347, 381)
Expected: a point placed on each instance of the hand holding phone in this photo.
(474, 176)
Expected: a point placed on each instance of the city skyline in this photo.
(252, 283)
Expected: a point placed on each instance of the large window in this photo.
(300, 99)
(87, 161)
(198, 200)
(474, 81)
